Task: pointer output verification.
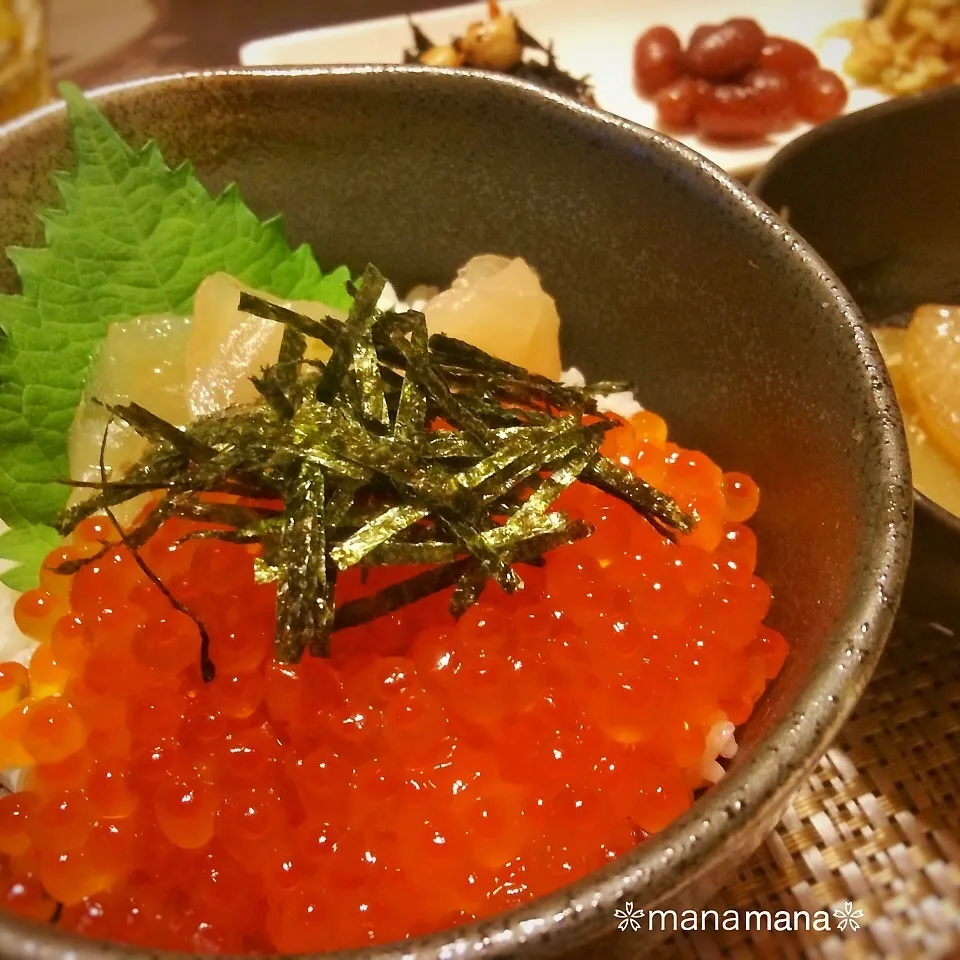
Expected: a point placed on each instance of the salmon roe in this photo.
(427, 773)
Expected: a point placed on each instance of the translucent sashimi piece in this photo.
(227, 346)
(177, 368)
(497, 304)
(934, 474)
(181, 368)
(140, 361)
(931, 361)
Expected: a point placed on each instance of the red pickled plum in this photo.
(733, 111)
(726, 51)
(819, 95)
(657, 60)
(786, 57)
(677, 103)
(775, 94)
(733, 83)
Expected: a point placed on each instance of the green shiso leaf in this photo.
(133, 237)
(28, 546)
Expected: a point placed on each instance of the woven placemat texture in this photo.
(876, 826)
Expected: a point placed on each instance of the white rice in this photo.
(416, 299)
(389, 299)
(721, 742)
(623, 404)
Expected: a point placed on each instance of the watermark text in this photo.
(637, 919)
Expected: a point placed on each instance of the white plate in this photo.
(596, 40)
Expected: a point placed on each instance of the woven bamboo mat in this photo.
(877, 825)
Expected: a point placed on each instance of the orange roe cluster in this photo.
(429, 772)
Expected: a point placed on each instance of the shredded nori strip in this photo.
(421, 585)
(280, 383)
(155, 428)
(304, 591)
(627, 486)
(344, 463)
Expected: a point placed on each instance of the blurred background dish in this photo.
(601, 47)
(904, 46)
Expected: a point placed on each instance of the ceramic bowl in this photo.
(666, 273)
(877, 194)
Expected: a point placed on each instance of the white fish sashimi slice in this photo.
(934, 473)
(181, 369)
(931, 361)
(497, 304)
(178, 368)
(140, 361)
(228, 346)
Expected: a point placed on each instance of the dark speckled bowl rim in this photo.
(867, 117)
(699, 841)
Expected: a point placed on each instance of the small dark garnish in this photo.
(420, 40)
(501, 31)
(548, 74)
(342, 464)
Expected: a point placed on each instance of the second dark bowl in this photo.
(877, 194)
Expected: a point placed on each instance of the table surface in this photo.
(878, 824)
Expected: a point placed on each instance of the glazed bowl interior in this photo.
(665, 273)
(877, 194)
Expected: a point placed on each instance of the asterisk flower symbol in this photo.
(628, 917)
(848, 917)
